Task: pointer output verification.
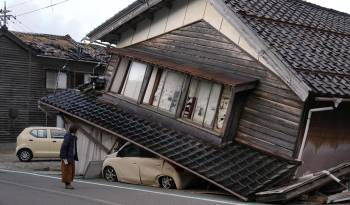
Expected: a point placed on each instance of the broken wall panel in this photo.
(90, 150)
(328, 140)
(306, 184)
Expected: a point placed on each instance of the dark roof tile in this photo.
(310, 38)
(236, 167)
(63, 47)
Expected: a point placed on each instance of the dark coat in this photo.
(67, 148)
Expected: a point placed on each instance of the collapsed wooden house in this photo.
(29, 66)
(244, 94)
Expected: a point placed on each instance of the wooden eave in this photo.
(238, 82)
(124, 17)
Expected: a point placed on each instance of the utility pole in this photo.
(4, 16)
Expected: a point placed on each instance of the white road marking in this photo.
(129, 188)
(100, 201)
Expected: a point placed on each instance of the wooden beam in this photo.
(145, 83)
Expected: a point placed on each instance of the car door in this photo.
(40, 143)
(56, 137)
(126, 165)
(150, 168)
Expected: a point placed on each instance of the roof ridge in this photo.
(40, 34)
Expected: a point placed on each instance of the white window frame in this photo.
(190, 116)
(56, 81)
(154, 87)
(126, 80)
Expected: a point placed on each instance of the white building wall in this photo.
(183, 12)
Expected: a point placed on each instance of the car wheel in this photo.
(109, 174)
(167, 182)
(25, 155)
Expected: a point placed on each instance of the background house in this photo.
(29, 68)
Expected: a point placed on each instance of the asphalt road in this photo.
(35, 189)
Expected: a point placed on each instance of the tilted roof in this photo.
(313, 40)
(237, 168)
(63, 47)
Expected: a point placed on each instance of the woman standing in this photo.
(68, 156)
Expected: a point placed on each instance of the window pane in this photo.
(212, 106)
(171, 92)
(39, 133)
(118, 79)
(150, 86)
(79, 79)
(87, 78)
(34, 133)
(133, 83)
(58, 134)
(204, 88)
(62, 81)
(191, 99)
(59, 121)
(222, 112)
(51, 79)
(159, 89)
(42, 134)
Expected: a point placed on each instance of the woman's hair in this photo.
(73, 128)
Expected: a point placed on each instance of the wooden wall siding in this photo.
(14, 92)
(272, 113)
(37, 90)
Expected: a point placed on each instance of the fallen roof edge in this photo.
(280, 67)
(139, 145)
(292, 191)
(70, 59)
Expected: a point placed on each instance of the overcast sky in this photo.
(78, 17)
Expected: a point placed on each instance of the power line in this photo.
(26, 27)
(19, 4)
(49, 6)
(14, 25)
